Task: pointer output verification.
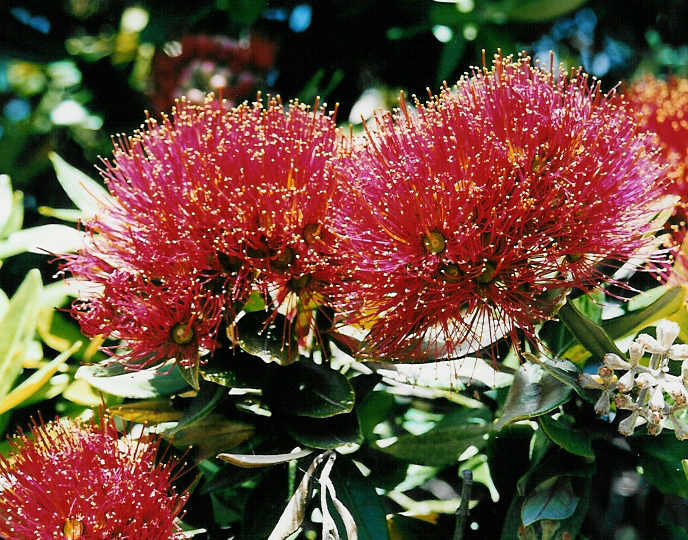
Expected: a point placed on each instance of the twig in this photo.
(462, 511)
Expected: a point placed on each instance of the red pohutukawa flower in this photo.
(208, 205)
(197, 64)
(86, 481)
(470, 216)
(662, 107)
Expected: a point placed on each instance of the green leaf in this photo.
(244, 12)
(540, 10)
(16, 218)
(375, 408)
(87, 194)
(572, 440)
(562, 370)
(645, 298)
(209, 395)
(359, 497)
(451, 55)
(59, 332)
(52, 388)
(64, 214)
(590, 335)
(251, 461)
(18, 325)
(316, 391)
(440, 446)
(325, 433)
(533, 392)
(5, 200)
(554, 499)
(143, 384)
(151, 411)
(43, 239)
(555, 463)
(212, 435)
(662, 308)
(36, 381)
(661, 458)
(4, 303)
(255, 302)
(408, 528)
(261, 334)
(265, 504)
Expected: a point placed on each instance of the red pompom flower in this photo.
(209, 205)
(471, 216)
(68, 480)
(662, 107)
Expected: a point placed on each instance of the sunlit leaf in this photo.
(212, 435)
(44, 239)
(662, 308)
(5, 200)
(65, 214)
(251, 461)
(18, 324)
(143, 384)
(82, 393)
(149, 411)
(87, 194)
(16, 217)
(34, 383)
(442, 445)
(52, 388)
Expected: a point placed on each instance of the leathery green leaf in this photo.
(87, 194)
(533, 392)
(18, 325)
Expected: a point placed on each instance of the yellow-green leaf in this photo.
(150, 411)
(34, 383)
(87, 194)
(18, 325)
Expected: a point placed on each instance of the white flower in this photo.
(627, 426)
(656, 401)
(680, 428)
(614, 361)
(645, 380)
(626, 382)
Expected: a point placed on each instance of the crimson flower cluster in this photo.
(661, 107)
(474, 213)
(209, 205)
(85, 481)
(445, 227)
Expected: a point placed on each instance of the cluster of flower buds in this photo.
(647, 389)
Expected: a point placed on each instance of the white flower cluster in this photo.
(647, 389)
